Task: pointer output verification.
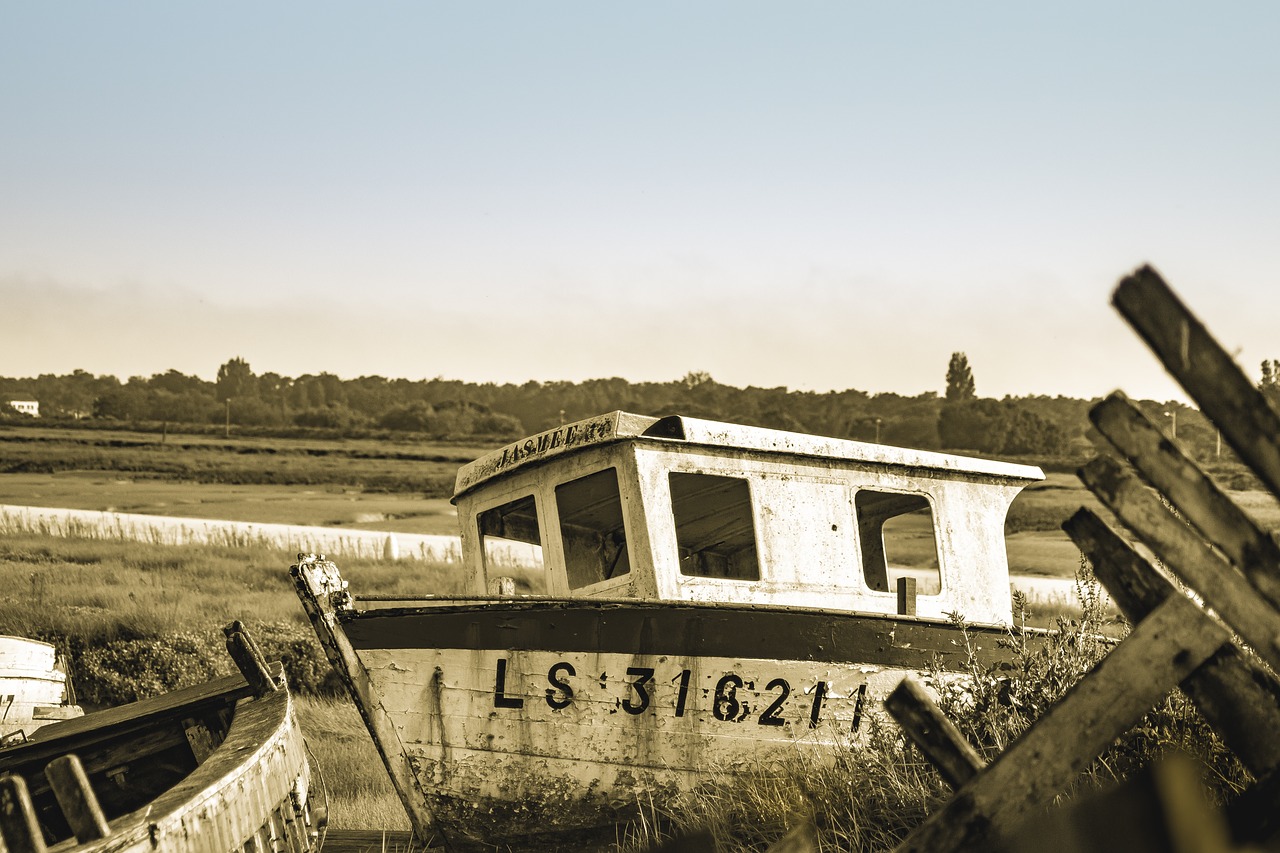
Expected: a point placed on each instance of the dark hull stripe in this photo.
(708, 630)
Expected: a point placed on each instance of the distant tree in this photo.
(694, 378)
(236, 379)
(960, 384)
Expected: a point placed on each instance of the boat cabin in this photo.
(683, 509)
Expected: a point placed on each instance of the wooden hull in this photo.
(507, 718)
(203, 769)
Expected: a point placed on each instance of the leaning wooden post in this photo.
(19, 827)
(935, 735)
(1209, 374)
(249, 660)
(75, 796)
(1198, 564)
(1237, 696)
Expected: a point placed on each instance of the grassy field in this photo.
(140, 619)
(366, 464)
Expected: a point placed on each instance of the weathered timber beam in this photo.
(1187, 555)
(1199, 500)
(1247, 420)
(935, 735)
(1051, 754)
(1237, 697)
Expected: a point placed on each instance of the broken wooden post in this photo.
(1236, 696)
(1187, 555)
(75, 797)
(906, 596)
(1246, 418)
(19, 826)
(1192, 492)
(248, 657)
(931, 731)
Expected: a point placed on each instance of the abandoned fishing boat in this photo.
(707, 594)
(34, 688)
(214, 768)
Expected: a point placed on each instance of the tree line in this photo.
(240, 399)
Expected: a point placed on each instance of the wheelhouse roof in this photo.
(622, 426)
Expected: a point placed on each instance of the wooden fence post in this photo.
(75, 797)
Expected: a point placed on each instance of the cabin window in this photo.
(897, 538)
(715, 531)
(591, 529)
(512, 544)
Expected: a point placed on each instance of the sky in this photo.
(811, 195)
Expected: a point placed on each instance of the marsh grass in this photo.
(137, 618)
(347, 768)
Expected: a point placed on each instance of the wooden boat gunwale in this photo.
(249, 788)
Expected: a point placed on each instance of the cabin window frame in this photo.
(683, 578)
(932, 506)
(618, 581)
(515, 492)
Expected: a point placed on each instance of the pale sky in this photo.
(815, 195)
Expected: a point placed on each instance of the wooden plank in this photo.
(1192, 559)
(935, 735)
(1246, 418)
(1239, 698)
(76, 798)
(1197, 498)
(1050, 755)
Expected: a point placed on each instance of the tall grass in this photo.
(138, 619)
(346, 767)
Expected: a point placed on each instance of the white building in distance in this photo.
(25, 406)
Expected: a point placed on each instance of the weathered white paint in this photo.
(33, 687)
(491, 772)
(802, 489)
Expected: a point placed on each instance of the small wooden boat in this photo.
(34, 688)
(708, 595)
(214, 768)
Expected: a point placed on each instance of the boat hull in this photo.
(512, 718)
(33, 688)
(207, 769)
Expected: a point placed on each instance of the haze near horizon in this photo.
(821, 196)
